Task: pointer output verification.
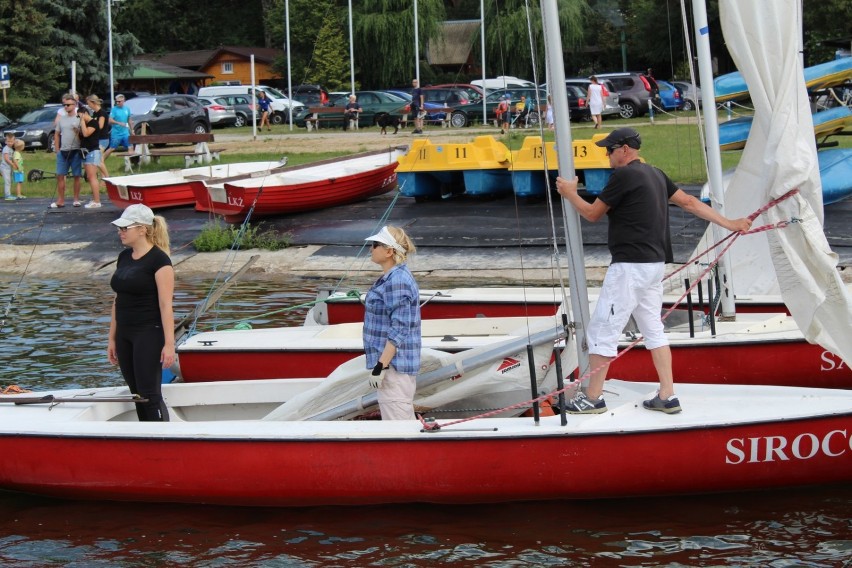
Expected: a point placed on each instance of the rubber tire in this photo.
(629, 110)
(533, 118)
(688, 105)
(277, 118)
(35, 175)
(242, 120)
(200, 128)
(51, 143)
(459, 120)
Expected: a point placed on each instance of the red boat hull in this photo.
(437, 468)
(793, 363)
(276, 200)
(155, 197)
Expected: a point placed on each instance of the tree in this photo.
(35, 67)
(384, 36)
(331, 59)
(80, 36)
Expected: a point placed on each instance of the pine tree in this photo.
(331, 57)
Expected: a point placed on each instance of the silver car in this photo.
(220, 112)
(691, 99)
(611, 104)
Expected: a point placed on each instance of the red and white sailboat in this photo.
(241, 443)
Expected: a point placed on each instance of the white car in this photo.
(219, 111)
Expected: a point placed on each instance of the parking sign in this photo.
(4, 75)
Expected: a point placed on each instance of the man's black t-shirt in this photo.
(136, 301)
(416, 93)
(638, 197)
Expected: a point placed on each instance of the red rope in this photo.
(434, 426)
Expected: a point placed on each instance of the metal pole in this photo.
(253, 96)
(109, 49)
(289, 75)
(416, 48)
(352, 54)
(714, 154)
(574, 236)
(482, 48)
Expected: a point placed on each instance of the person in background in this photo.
(503, 114)
(7, 166)
(392, 337)
(351, 111)
(595, 100)
(66, 140)
(104, 128)
(18, 161)
(263, 106)
(521, 112)
(141, 329)
(636, 200)
(90, 135)
(417, 104)
(121, 126)
(548, 115)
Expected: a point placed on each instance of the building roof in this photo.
(147, 69)
(455, 44)
(201, 58)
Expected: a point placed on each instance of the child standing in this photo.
(18, 161)
(6, 166)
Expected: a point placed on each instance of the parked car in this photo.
(670, 97)
(219, 111)
(36, 128)
(4, 120)
(434, 111)
(279, 102)
(445, 96)
(310, 95)
(372, 103)
(578, 104)
(465, 114)
(243, 108)
(691, 97)
(611, 107)
(168, 114)
(503, 82)
(634, 90)
(473, 92)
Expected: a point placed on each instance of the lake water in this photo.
(54, 336)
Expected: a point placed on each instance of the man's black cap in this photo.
(620, 137)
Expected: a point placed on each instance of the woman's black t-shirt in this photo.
(91, 142)
(136, 300)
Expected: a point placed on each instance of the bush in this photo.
(217, 236)
(15, 108)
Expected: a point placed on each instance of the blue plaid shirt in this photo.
(393, 313)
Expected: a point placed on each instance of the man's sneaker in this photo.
(670, 406)
(581, 404)
(92, 205)
(10, 198)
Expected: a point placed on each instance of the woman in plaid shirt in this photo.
(392, 325)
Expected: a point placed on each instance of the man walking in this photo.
(417, 104)
(636, 200)
(66, 140)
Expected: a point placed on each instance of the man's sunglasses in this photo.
(613, 148)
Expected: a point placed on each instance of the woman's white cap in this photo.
(384, 236)
(136, 214)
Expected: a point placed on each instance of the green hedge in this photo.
(15, 108)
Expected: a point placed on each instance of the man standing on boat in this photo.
(636, 200)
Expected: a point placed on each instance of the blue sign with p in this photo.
(4, 71)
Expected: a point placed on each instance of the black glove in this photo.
(377, 375)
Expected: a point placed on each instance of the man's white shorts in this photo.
(628, 288)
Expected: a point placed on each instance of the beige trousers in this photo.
(396, 396)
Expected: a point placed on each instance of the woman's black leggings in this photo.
(139, 350)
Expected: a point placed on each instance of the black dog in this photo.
(384, 120)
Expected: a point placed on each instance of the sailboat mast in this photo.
(573, 234)
(714, 153)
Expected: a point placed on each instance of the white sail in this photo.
(780, 155)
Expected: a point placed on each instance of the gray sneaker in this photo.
(670, 406)
(581, 404)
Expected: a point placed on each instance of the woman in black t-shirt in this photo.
(141, 331)
(90, 134)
